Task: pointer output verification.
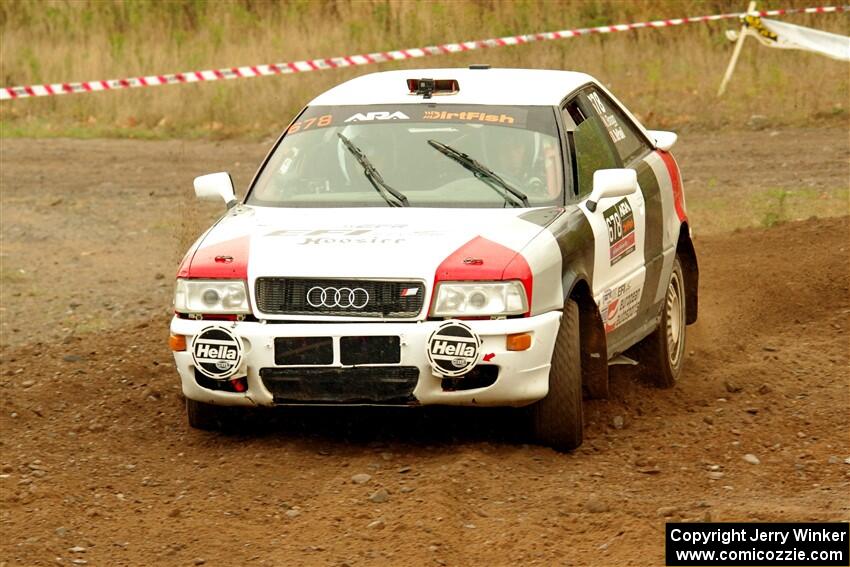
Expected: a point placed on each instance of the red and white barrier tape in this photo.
(7, 93)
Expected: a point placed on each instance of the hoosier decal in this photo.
(621, 230)
(453, 349)
(217, 353)
(351, 235)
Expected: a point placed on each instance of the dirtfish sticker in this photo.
(453, 349)
(467, 116)
(217, 353)
(621, 230)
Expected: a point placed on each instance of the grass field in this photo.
(669, 76)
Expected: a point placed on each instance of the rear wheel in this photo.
(662, 353)
(209, 417)
(557, 419)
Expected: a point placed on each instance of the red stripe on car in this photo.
(228, 259)
(676, 181)
(484, 260)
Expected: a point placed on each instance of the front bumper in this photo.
(523, 376)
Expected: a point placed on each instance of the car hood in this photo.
(345, 243)
(380, 243)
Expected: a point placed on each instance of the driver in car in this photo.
(525, 160)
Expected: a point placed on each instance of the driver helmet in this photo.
(511, 152)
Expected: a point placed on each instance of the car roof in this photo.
(532, 87)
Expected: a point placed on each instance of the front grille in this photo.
(296, 351)
(359, 385)
(288, 296)
(369, 350)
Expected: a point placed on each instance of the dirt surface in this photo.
(97, 463)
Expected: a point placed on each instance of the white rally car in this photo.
(478, 237)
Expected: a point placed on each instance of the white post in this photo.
(735, 54)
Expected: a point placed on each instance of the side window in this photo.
(592, 147)
(628, 143)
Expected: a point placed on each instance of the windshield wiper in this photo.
(373, 176)
(483, 173)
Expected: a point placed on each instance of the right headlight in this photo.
(479, 299)
(215, 297)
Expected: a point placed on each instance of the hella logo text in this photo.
(216, 351)
(453, 349)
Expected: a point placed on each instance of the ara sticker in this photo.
(621, 230)
(453, 349)
(217, 353)
(377, 115)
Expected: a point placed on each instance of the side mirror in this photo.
(663, 140)
(216, 186)
(611, 183)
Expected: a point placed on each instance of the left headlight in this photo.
(221, 297)
(479, 299)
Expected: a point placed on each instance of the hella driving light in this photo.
(479, 299)
(217, 297)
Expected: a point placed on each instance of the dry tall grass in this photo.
(667, 76)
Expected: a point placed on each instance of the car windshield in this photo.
(418, 155)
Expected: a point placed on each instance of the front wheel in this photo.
(662, 353)
(556, 420)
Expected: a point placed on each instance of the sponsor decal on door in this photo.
(619, 305)
(621, 230)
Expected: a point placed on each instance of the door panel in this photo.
(618, 223)
(619, 271)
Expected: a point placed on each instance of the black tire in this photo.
(662, 354)
(208, 417)
(556, 420)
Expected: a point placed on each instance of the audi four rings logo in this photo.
(343, 297)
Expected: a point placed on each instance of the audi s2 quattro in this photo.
(475, 237)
